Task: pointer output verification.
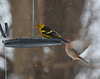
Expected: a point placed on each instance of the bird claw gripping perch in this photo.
(6, 33)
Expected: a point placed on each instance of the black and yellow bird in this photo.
(49, 33)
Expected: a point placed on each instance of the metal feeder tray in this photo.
(29, 42)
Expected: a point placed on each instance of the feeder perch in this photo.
(31, 42)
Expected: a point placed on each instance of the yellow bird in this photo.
(49, 33)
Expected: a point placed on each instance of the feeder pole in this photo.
(33, 21)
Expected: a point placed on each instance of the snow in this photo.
(5, 17)
(90, 20)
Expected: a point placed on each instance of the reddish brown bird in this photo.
(72, 53)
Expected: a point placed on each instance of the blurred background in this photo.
(44, 62)
(41, 62)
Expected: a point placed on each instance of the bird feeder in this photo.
(27, 42)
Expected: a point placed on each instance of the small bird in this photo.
(49, 33)
(72, 53)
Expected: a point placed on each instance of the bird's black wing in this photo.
(47, 29)
(49, 32)
(52, 34)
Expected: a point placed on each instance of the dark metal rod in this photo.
(6, 29)
(33, 21)
(6, 33)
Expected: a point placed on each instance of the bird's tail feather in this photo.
(64, 40)
(83, 61)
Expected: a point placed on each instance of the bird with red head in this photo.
(71, 52)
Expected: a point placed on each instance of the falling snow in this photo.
(5, 17)
(91, 19)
